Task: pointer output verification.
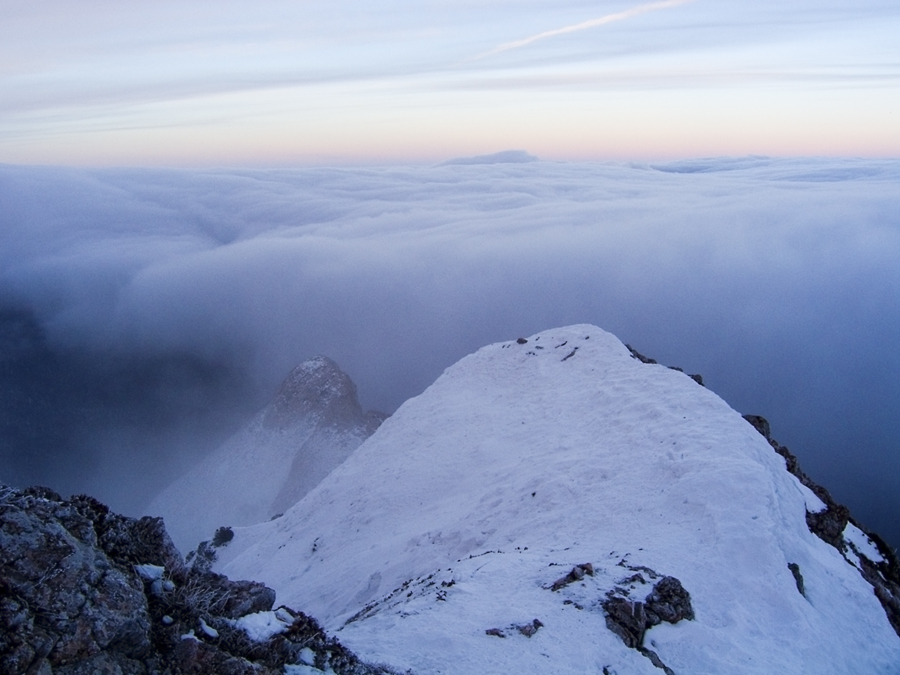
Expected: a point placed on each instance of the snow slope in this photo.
(312, 425)
(523, 460)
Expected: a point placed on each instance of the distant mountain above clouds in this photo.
(558, 504)
(504, 157)
(311, 425)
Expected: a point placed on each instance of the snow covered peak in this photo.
(316, 387)
(458, 538)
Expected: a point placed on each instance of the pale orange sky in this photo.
(235, 83)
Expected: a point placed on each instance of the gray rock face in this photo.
(52, 559)
(668, 601)
(630, 619)
(85, 591)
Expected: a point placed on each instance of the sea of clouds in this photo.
(145, 313)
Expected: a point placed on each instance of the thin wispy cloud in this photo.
(584, 25)
(198, 83)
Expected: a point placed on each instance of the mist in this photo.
(145, 314)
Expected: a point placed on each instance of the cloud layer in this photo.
(150, 310)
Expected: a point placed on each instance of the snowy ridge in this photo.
(529, 460)
(312, 425)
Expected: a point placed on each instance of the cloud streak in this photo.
(198, 83)
(584, 25)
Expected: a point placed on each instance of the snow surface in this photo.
(261, 626)
(861, 542)
(150, 572)
(813, 503)
(523, 460)
(208, 630)
(301, 670)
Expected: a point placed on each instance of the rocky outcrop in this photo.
(630, 618)
(84, 590)
(828, 524)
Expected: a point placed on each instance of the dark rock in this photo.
(829, 525)
(635, 354)
(522, 341)
(529, 629)
(798, 578)
(655, 660)
(626, 619)
(233, 599)
(85, 591)
(496, 632)
(222, 536)
(883, 577)
(68, 601)
(41, 492)
(669, 602)
(576, 574)
(203, 558)
(761, 424)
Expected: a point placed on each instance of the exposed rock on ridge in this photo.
(830, 525)
(84, 590)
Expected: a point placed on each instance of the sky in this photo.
(145, 313)
(227, 83)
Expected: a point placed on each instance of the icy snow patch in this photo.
(261, 626)
(861, 542)
(307, 656)
(300, 669)
(208, 630)
(813, 503)
(150, 572)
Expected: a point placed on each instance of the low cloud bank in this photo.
(145, 312)
(504, 157)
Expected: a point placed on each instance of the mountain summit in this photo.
(553, 504)
(312, 424)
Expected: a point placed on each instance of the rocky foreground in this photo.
(84, 590)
